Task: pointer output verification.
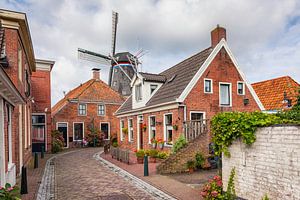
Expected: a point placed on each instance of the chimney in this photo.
(96, 73)
(217, 34)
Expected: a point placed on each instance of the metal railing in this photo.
(194, 128)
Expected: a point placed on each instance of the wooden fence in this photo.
(119, 154)
(194, 128)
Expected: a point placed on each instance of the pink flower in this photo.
(203, 194)
(219, 183)
(214, 193)
(10, 189)
(1, 188)
(216, 178)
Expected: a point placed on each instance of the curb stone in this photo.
(153, 191)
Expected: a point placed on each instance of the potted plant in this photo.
(125, 131)
(175, 127)
(140, 156)
(144, 127)
(160, 143)
(153, 154)
(191, 164)
(8, 192)
(154, 143)
(162, 155)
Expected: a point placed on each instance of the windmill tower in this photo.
(123, 65)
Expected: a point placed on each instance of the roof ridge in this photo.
(209, 48)
(152, 73)
(92, 81)
(281, 77)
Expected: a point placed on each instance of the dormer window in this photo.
(153, 88)
(138, 92)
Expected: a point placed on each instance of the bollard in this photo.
(43, 152)
(24, 189)
(36, 160)
(146, 168)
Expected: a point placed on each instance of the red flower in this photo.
(214, 193)
(135, 151)
(219, 183)
(217, 178)
(203, 194)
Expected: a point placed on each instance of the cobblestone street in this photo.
(79, 176)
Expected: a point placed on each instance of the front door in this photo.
(141, 135)
(63, 128)
(104, 127)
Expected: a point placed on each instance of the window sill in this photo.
(224, 106)
(208, 92)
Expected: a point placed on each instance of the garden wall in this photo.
(269, 166)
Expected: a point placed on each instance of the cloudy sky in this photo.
(263, 35)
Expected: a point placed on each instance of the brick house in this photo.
(194, 89)
(93, 102)
(277, 94)
(17, 64)
(41, 106)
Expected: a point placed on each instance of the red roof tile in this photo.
(271, 92)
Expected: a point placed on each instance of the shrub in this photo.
(140, 153)
(179, 144)
(200, 160)
(162, 155)
(265, 197)
(153, 153)
(57, 141)
(9, 193)
(191, 164)
(94, 137)
(114, 141)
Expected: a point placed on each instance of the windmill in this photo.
(123, 65)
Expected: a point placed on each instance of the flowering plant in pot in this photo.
(191, 165)
(140, 156)
(175, 127)
(160, 143)
(154, 143)
(144, 127)
(153, 155)
(10, 193)
(125, 130)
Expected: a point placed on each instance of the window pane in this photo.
(196, 116)
(152, 121)
(38, 133)
(207, 85)
(36, 119)
(169, 136)
(240, 88)
(78, 131)
(224, 94)
(152, 88)
(168, 119)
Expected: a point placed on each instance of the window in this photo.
(78, 130)
(130, 130)
(197, 116)
(104, 128)
(168, 129)
(101, 109)
(121, 130)
(138, 92)
(27, 84)
(241, 88)
(20, 69)
(152, 88)
(225, 94)
(208, 86)
(152, 128)
(82, 109)
(38, 131)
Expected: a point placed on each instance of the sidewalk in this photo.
(168, 184)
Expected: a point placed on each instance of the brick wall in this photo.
(269, 166)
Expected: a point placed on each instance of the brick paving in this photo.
(79, 176)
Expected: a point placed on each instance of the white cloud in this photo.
(264, 35)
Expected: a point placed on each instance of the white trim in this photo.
(139, 119)
(46, 133)
(101, 104)
(129, 136)
(211, 85)
(67, 131)
(86, 109)
(121, 131)
(230, 93)
(20, 107)
(165, 130)
(2, 146)
(108, 128)
(74, 130)
(206, 64)
(149, 127)
(237, 88)
(9, 132)
(195, 111)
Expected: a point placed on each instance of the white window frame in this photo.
(139, 119)
(108, 129)
(237, 88)
(211, 85)
(121, 131)
(45, 128)
(74, 130)
(230, 94)
(168, 128)
(2, 146)
(196, 112)
(20, 64)
(140, 97)
(9, 132)
(67, 131)
(129, 130)
(85, 109)
(151, 127)
(98, 106)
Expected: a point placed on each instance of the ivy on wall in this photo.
(229, 126)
